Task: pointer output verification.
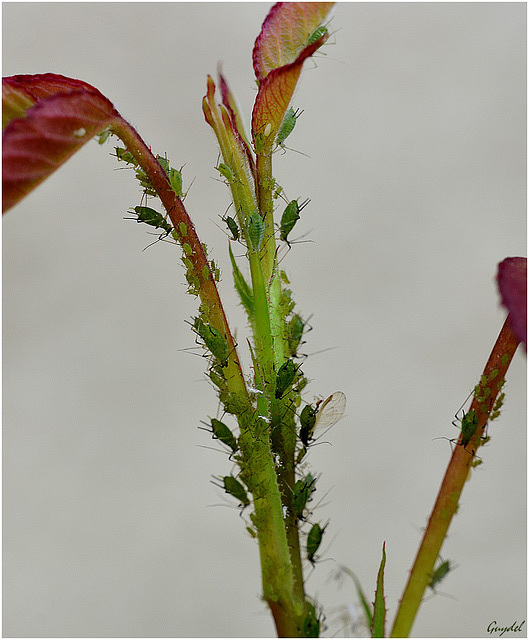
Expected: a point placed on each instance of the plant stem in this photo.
(208, 292)
(452, 486)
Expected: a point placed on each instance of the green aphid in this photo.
(285, 377)
(314, 539)
(469, 424)
(175, 180)
(317, 34)
(289, 218)
(233, 227)
(153, 218)
(259, 143)
(307, 419)
(223, 433)
(256, 229)
(235, 488)
(213, 340)
(287, 126)
(496, 409)
(103, 136)
(216, 375)
(295, 329)
(311, 623)
(164, 162)
(225, 171)
(301, 494)
(123, 155)
(439, 574)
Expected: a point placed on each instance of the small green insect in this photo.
(225, 171)
(317, 34)
(469, 424)
(302, 494)
(175, 180)
(438, 575)
(153, 218)
(307, 419)
(287, 126)
(289, 218)
(123, 155)
(294, 333)
(311, 622)
(233, 227)
(256, 229)
(223, 433)
(327, 413)
(496, 409)
(213, 340)
(235, 488)
(285, 377)
(314, 539)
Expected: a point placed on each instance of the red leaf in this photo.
(512, 283)
(21, 92)
(66, 114)
(285, 33)
(278, 55)
(274, 96)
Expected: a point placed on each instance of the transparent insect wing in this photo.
(331, 410)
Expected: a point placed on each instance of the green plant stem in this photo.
(264, 185)
(455, 477)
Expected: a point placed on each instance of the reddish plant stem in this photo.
(174, 206)
(450, 492)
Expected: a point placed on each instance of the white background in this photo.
(414, 124)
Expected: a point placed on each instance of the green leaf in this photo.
(242, 287)
(379, 611)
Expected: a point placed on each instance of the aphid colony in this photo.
(313, 419)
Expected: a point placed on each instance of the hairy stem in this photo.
(455, 477)
(208, 292)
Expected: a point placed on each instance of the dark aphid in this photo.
(223, 433)
(469, 424)
(301, 494)
(232, 226)
(153, 218)
(213, 340)
(290, 217)
(285, 377)
(256, 229)
(314, 540)
(287, 126)
(235, 488)
(307, 419)
(317, 34)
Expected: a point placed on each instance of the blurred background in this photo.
(414, 132)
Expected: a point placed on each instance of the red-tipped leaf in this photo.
(283, 45)
(512, 283)
(286, 31)
(50, 118)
